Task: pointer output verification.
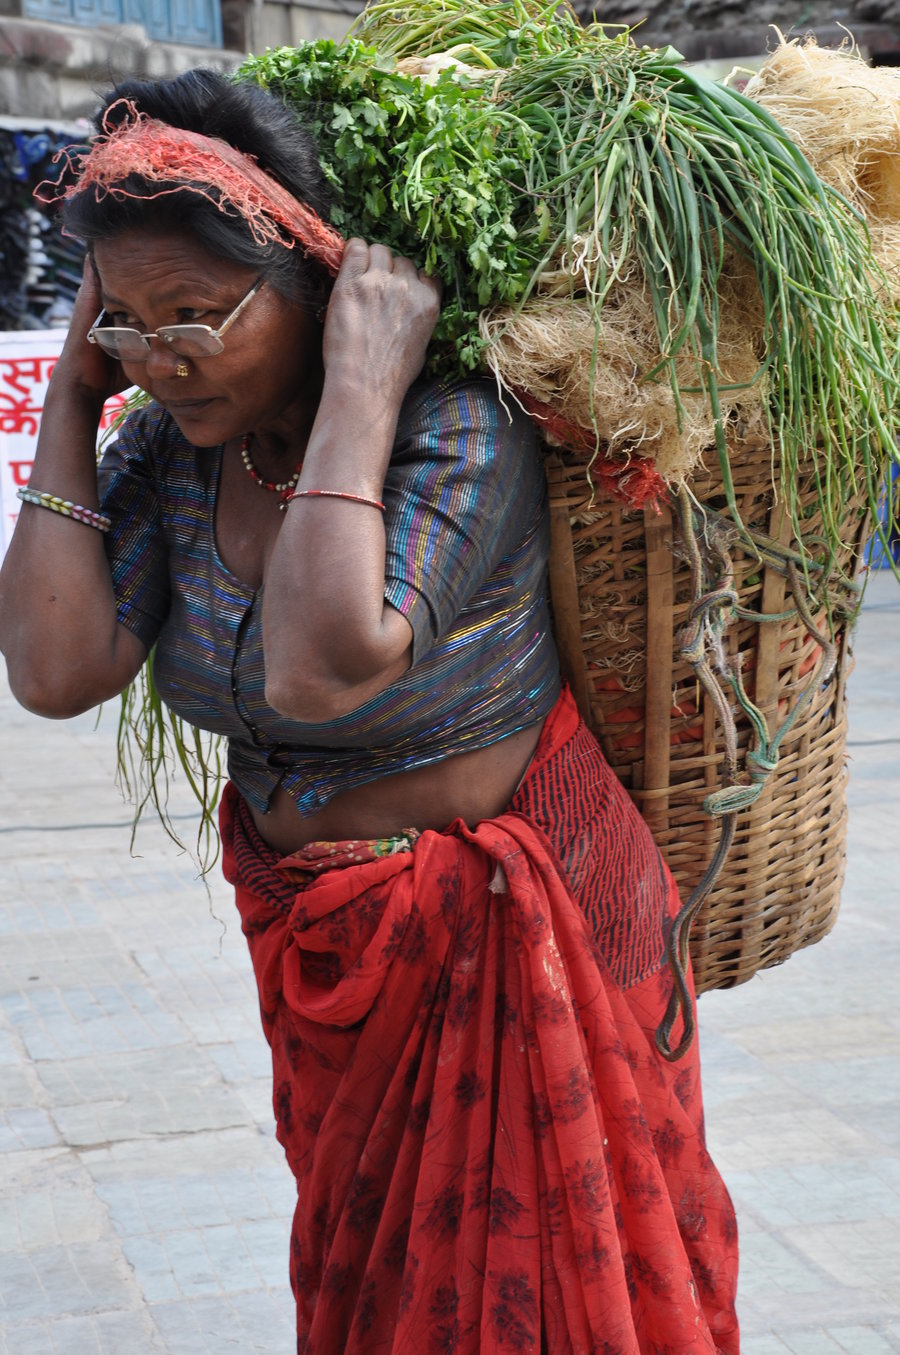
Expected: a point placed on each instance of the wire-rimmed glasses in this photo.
(188, 341)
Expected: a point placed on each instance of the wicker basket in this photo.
(622, 591)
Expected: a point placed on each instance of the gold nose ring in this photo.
(182, 369)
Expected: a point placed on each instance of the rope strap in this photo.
(714, 606)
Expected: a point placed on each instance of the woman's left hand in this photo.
(380, 319)
(346, 643)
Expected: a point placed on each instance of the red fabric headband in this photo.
(182, 161)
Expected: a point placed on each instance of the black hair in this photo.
(251, 120)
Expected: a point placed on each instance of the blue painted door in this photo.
(197, 23)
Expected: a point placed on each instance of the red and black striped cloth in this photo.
(490, 1153)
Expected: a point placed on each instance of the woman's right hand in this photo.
(86, 369)
(65, 651)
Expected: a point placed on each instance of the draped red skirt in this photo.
(490, 1153)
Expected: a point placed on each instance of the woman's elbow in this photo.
(315, 679)
(321, 697)
(51, 698)
(309, 701)
(58, 686)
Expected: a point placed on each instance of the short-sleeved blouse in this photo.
(467, 543)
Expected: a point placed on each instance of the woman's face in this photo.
(268, 378)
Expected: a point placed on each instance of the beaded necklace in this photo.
(283, 490)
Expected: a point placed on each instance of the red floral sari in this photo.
(490, 1153)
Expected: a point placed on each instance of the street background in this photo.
(144, 1203)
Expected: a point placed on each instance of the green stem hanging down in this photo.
(153, 745)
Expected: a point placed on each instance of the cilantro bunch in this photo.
(434, 171)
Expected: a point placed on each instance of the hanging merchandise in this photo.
(40, 268)
(13, 239)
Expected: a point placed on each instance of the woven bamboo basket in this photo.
(623, 593)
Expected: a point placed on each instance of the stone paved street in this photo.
(144, 1204)
(802, 1070)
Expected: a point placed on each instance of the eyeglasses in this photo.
(188, 341)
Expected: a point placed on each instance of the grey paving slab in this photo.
(149, 1205)
(146, 1204)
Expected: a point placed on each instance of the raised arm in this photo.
(64, 649)
(331, 641)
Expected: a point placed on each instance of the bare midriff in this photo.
(471, 786)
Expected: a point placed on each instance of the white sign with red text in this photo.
(27, 358)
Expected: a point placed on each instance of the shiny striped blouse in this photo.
(467, 543)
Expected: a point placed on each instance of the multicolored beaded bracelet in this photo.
(334, 494)
(55, 504)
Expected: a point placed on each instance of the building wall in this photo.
(703, 30)
(51, 70)
(285, 23)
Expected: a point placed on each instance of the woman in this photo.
(455, 915)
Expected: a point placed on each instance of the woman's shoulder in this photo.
(465, 403)
(150, 424)
(149, 436)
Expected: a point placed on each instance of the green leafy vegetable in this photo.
(430, 170)
(567, 138)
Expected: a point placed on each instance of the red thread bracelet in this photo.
(334, 494)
